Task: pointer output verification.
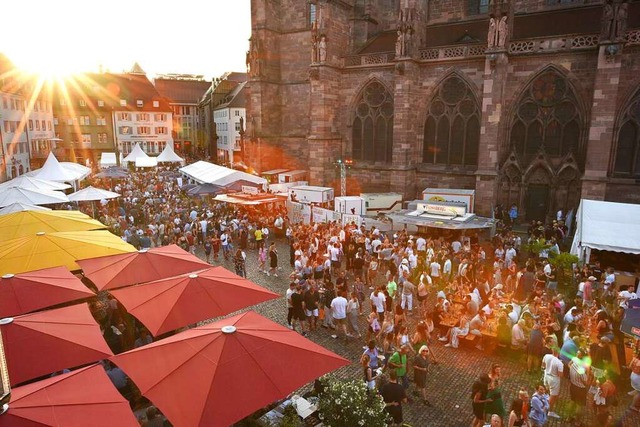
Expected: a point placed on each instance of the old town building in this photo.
(529, 102)
(183, 92)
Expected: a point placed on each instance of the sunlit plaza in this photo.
(321, 213)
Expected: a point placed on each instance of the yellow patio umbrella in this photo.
(43, 250)
(28, 223)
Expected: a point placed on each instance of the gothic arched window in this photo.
(547, 118)
(627, 160)
(373, 124)
(452, 128)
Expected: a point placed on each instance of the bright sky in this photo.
(206, 37)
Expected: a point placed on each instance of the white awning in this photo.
(208, 173)
(107, 159)
(146, 162)
(606, 226)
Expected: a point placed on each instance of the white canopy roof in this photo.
(80, 170)
(168, 155)
(135, 153)
(208, 173)
(31, 197)
(108, 159)
(52, 170)
(606, 226)
(92, 193)
(21, 207)
(146, 162)
(31, 183)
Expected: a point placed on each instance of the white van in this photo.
(376, 203)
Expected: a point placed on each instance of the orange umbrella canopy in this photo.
(115, 271)
(81, 398)
(217, 374)
(168, 304)
(41, 343)
(26, 292)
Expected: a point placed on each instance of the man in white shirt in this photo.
(435, 271)
(339, 312)
(334, 256)
(553, 369)
(456, 245)
(378, 300)
(446, 269)
(625, 296)
(510, 255)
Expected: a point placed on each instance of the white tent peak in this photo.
(168, 155)
(52, 170)
(135, 153)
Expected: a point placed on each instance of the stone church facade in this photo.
(532, 102)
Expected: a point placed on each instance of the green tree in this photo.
(563, 262)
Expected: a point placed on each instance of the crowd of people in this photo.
(411, 293)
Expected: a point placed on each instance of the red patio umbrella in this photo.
(217, 374)
(169, 304)
(81, 398)
(48, 341)
(26, 292)
(116, 271)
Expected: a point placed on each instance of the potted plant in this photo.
(349, 403)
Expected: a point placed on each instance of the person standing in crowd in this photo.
(539, 407)
(398, 363)
(297, 302)
(353, 311)
(479, 399)
(553, 372)
(369, 373)
(420, 369)
(239, 260)
(290, 291)
(273, 260)
(339, 312)
(394, 395)
(580, 378)
(311, 300)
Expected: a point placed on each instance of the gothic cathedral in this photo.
(529, 102)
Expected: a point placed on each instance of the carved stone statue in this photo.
(405, 33)
(607, 21)
(620, 31)
(255, 59)
(322, 48)
(399, 44)
(614, 20)
(503, 31)
(491, 34)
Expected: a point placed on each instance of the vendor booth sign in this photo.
(631, 321)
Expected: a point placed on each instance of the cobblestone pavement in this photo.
(449, 382)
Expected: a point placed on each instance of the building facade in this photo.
(13, 132)
(229, 118)
(183, 92)
(216, 95)
(528, 102)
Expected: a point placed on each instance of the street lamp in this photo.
(343, 165)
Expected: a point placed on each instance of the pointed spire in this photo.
(137, 69)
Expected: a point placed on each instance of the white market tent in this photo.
(81, 171)
(107, 160)
(31, 197)
(136, 153)
(606, 226)
(207, 173)
(21, 207)
(146, 162)
(91, 193)
(52, 170)
(31, 183)
(168, 155)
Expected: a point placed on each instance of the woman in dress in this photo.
(458, 331)
(273, 260)
(516, 418)
(369, 373)
(634, 367)
(495, 394)
(420, 367)
(262, 260)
